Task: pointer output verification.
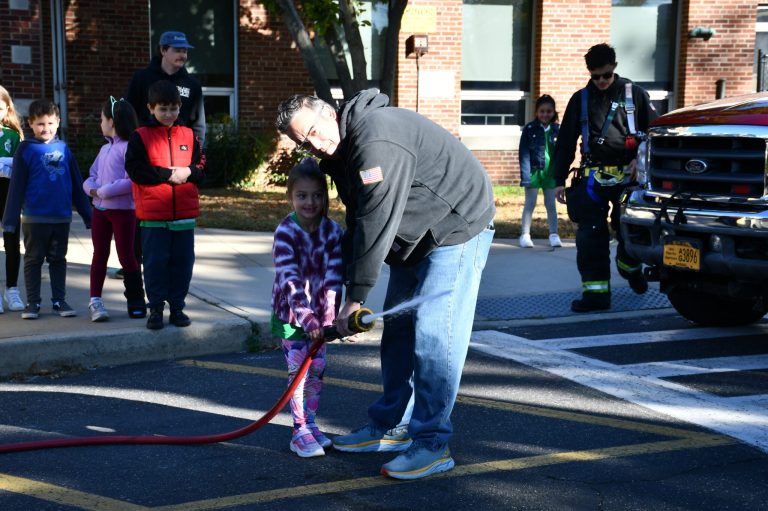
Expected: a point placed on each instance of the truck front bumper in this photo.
(734, 244)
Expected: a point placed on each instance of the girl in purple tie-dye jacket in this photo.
(307, 256)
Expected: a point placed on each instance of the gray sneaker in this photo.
(418, 462)
(63, 309)
(371, 439)
(98, 311)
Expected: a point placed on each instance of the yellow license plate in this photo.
(682, 254)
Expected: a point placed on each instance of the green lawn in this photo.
(262, 210)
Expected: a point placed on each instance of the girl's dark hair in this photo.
(546, 99)
(123, 114)
(309, 169)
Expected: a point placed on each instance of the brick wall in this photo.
(271, 68)
(565, 30)
(729, 54)
(443, 61)
(502, 166)
(102, 53)
(24, 28)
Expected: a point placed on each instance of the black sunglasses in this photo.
(606, 76)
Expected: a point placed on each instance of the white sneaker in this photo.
(554, 241)
(13, 299)
(526, 241)
(98, 311)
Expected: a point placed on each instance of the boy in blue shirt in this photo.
(46, 182)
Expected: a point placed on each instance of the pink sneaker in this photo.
(319, 437)
(305, 445)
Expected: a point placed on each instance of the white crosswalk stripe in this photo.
(570, 343)
(742, 417)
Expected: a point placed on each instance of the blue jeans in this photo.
(423, 350)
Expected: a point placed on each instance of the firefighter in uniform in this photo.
(610, 115)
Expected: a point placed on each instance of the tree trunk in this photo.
(391, 44)
(336, 47)
(355, 43)
(308, 53)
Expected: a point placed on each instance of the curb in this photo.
(41, 354)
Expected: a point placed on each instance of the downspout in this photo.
(234, 109)
(58, 57)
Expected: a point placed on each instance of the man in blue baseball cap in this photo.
(169, 64)
(174, 40)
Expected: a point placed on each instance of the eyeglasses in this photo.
(605, 76)
(302, 147)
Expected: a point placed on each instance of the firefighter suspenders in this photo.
(629, 107)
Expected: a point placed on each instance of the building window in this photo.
(373, 24)
(210, 26)
(496, 62)
(645, 34)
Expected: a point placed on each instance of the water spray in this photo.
(362, 320)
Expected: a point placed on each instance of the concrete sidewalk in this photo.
(229, 303)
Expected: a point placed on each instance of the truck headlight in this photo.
(642, 163)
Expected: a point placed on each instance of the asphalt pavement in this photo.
(229, 303)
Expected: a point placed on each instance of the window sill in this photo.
(490, 138)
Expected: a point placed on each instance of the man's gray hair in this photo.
(291, 106)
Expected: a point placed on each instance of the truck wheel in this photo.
(712, 310)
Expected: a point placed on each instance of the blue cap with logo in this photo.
(174, 40)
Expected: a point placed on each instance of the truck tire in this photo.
(712, 310)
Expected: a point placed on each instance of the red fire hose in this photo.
(355, 324)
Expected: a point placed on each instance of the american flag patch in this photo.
(371, 176)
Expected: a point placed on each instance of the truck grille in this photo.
(708, 165)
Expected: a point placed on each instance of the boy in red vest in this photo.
(164, 160)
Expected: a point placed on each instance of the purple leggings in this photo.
(306, 398)
(105, 223)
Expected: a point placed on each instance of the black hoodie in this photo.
(192, 114)
(408, 185)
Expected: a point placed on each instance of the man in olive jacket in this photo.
(418, 200)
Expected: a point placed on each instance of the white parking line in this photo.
(746, 420)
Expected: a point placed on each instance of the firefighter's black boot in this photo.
(638, 283)
(592, 302)
(134, 295)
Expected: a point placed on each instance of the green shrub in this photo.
(233, 154)
(276, 172)
(86, 148)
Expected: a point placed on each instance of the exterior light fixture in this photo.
(702, 32)
(416, 46)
